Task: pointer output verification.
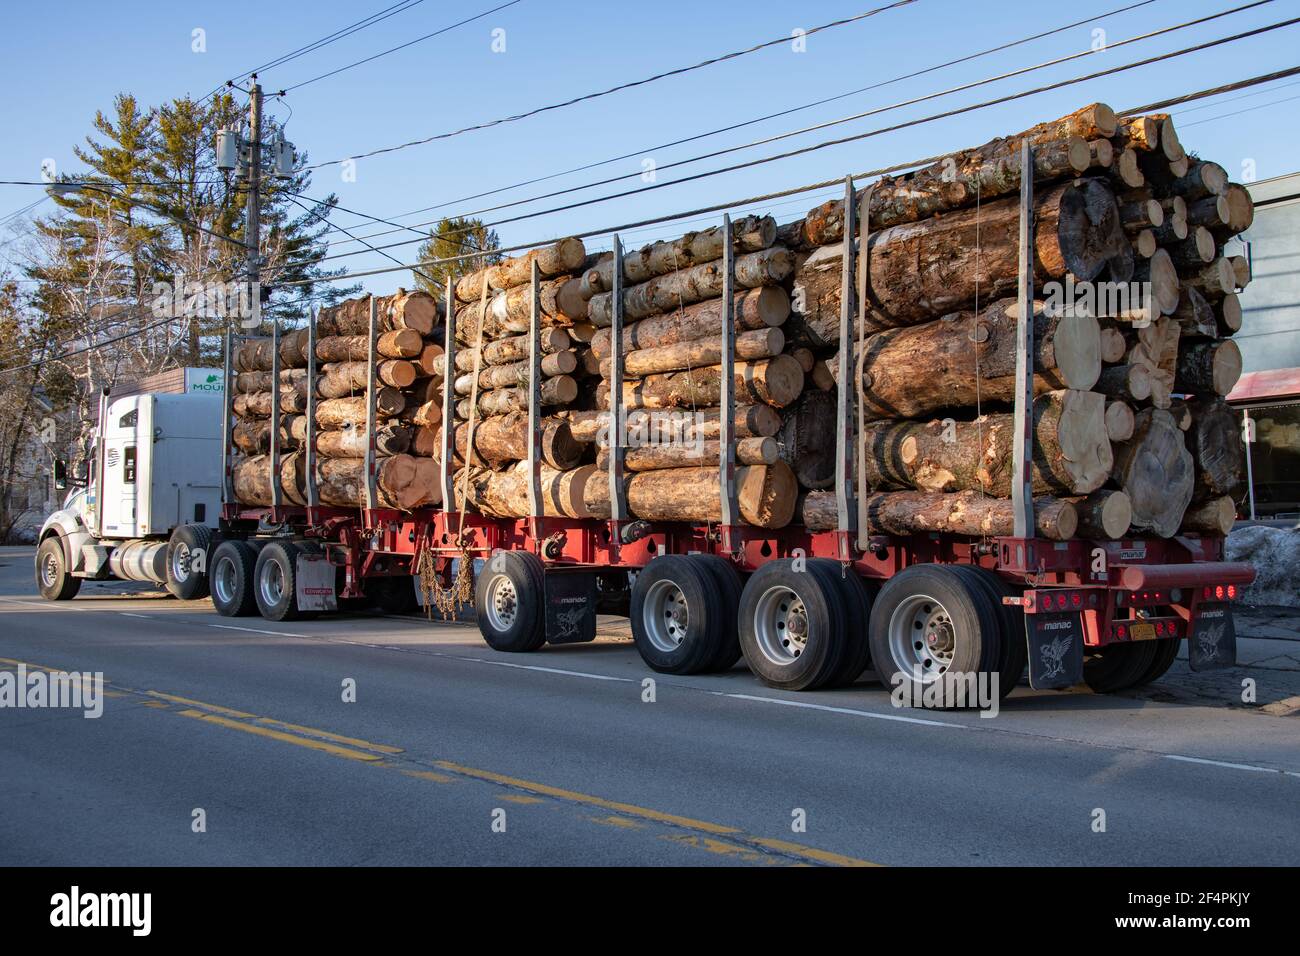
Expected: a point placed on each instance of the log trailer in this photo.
(806, 609)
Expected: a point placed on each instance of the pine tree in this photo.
(454, 237)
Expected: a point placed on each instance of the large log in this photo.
(338, 379)
(390, 439)
(504, 438)
(987, 171)
(334, 413)
(808, 439)
(776, 381)
(1072, 452)
(248, 382)
(910, 372)
(559, 390)
(398, 343)
(1218, 452)
(518, 373)
(664, 293)
(1215, 517)
(504, 494)
(765, 495)
(645, 425)
(962, 512)
(692, 454)
(253, 436)
(698, 353)
(514, 348)
(510, 312)
(565, 255)
(253, 482)
(1103, 515)
(760, 308)
(1155, 470)
(749, 234)
(1209, 368)
(403, 310)
(342, 482)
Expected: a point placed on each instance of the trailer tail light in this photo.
(1121, 630)
(1219, 592)
(1232, 591)
(1056, 600)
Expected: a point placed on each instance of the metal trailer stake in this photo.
(227, 400)
(275, 415)
(727, 393)
(370, 406)
(313, 498)
(845, 500)
(535, 404)
(1022, 491)
(617, 499)
(447, 439)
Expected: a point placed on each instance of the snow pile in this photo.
(1275, 553)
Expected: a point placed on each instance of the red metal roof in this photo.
(1270, 384)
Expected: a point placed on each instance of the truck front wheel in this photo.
(52, 577)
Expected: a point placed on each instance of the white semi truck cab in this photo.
(146, 505)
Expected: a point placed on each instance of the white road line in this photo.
(845, 710)
(546, 670)
(143, 617)
(1230, 766)
(257, 630)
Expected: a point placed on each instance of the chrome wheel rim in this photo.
(781, 626)
(922, 638)
(271, 583)
(224, 577)
(50, 570)
(180, 562)
(665, 616)
(502, 603)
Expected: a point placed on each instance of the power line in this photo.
(786, 112)
(1250, 109)
(403, 46)
(868, 134)
(614, 89)
(825, 184)
(847, 119)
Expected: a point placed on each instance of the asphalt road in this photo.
(454, 754)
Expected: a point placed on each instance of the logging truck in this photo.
(806, 516)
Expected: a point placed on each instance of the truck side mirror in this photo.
(60, 475)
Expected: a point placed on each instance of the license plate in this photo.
(1142, 632)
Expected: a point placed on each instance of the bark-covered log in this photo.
(404, 310)
(645, 425)
(962, 512)
(517, 373)
(776, 381)
(1104, 515)
(907, 373)
(334, 413)
(1218, 452)
(1155, 470)
(1195, 316)
(338, 379)
(513, 348)
(698, 353)
(760, 308)
(665, 293)
(808, 439)
(398, 343)
(1214, 280)
(692, 454)
(1129, 383)
(765, 494)
(504, 494)
(1202, 179)
(1215, 517)
(390, 439)
(504, 438)
(749, 234)
(253, 436)
(1209, 368)
(566, 255)
(249, 382)
(1072, 452)
(253, 482)
(398, 484)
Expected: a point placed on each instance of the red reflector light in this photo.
(1219, 592)
(1121, 630)
(1160, 627)
(1047, 602)
(1206, 593)
(1076, 599)
(1232, 591)
(1060, 601)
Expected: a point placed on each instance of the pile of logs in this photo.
(1135, 307)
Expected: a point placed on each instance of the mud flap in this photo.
(1213, 642)
(315, 583)
(570, 607)
(1055, 650)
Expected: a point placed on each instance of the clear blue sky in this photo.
(62, 62)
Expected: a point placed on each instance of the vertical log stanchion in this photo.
(727, 395)
(845, 500)
(1022, 490)
(313, 498)
(371, 497)
(228, 412)
(447, 438)
(276, 490)
(535, 509)
(617, 438)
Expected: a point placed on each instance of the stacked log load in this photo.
(1131, 433)
(408, 382)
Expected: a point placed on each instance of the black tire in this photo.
(52, 577)
(1165, 655)
(1117, 667)
(809, 606)
(856, 599)
(275, 581)
(967, 627)
(183, 581)
(508, 601)
(1013, 654)
(730, 586)
(230, 579)
(393, 595)
(679, 622)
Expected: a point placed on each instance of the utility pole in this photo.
(253, 228)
